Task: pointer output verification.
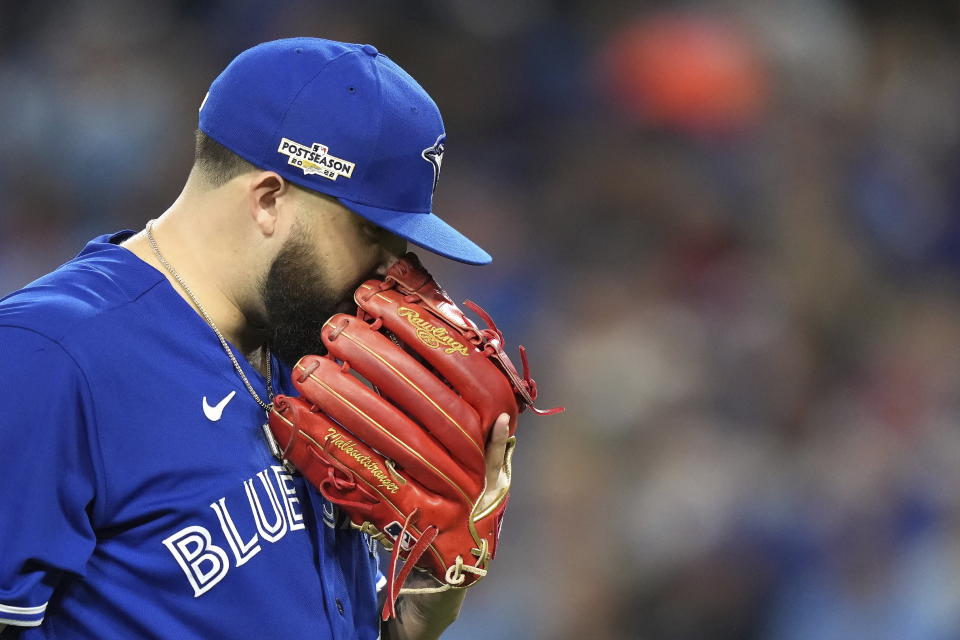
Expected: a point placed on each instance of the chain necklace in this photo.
(223, 342)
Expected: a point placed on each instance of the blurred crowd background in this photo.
(728, 232)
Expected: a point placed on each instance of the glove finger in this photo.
(409, 385)
(384, 427)
(480, 382)
(301, 435)
(320, 444)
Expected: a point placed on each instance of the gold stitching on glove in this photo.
(387, 432)
(414, 386)
(391, 467)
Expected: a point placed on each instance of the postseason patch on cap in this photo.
(315, 160)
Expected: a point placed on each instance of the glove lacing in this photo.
(395, 580)
(455, 571)
(492, 340)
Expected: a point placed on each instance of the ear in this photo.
(265, 197)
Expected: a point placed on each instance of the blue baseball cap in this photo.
(344, 120)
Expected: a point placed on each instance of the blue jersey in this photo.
(138, 497)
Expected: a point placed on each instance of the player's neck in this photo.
(198, 256)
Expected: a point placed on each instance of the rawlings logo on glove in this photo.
(431, 335)
(402, 450)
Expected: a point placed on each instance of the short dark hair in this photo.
(217, 164)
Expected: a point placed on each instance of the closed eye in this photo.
(372, 231)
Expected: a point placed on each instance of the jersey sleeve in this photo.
(47, 473)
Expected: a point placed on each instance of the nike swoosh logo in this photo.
(215, 412)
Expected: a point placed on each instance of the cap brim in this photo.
(424, 230)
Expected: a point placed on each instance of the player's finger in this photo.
(497, 448)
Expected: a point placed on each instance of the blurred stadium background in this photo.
(729, 233)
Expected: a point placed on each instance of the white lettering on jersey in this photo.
(289, 491)
(242, 551)
(192, 547)
(205, 563)
(270, 532)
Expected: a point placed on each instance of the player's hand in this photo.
(497, 479)
(453, 493)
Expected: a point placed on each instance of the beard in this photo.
(298, 301)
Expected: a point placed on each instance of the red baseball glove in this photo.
(400, 447)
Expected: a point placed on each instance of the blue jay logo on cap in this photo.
(315, 159)
(434, 155)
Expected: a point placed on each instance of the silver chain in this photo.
(206, 316)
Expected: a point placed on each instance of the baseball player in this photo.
(138, 496)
